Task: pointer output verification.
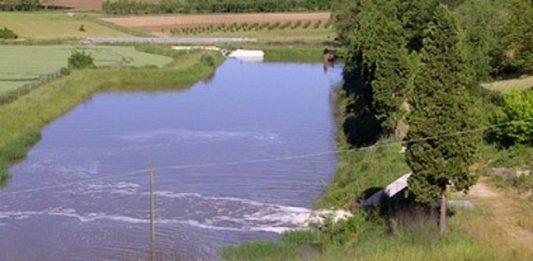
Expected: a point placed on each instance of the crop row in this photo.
(244, 27)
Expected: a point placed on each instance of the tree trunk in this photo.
(443, 214)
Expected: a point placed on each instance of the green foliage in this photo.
(377, 68)
(522, 183)
(6, 33)
(517, 108)
(441, 106)
(496, 157)
(129, 7)
(64, 71)
(475, 16)
(359, 173)
(20, 5)
(415, 15)
(4, 172)
(513, 54)
(346, 232)
(16, 149)
(260, 250)
(207, 60)
(80, 60)
(301, 237)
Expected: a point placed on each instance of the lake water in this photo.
(228, 159)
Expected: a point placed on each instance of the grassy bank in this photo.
(299, 53)
(23, 118)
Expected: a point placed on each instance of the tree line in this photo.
(132, 7)
(20, 5)
(413, 69)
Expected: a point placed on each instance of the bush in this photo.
(348, 231)
(207, 59)
(517, 108)
(80, 60)
(4, 172)
(16, 149)
(64, 71)
(6, 33)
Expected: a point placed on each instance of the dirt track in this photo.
(154, 23)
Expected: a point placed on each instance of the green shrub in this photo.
(80, 60)
(6, 33)
(64, 71)
(301, 237)
(16, 149)
(523, 183)
(517, 108)
(207, 59)
(260, 250)
(4, 173)
(296, 25)
(348, 231)
(285, 25)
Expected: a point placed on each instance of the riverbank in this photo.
(490, 231)
(23, 119)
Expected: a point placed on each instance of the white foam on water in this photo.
(183, 135)
(215, 213)
(124, 188)
(92, 217)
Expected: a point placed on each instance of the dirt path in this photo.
(505, 209)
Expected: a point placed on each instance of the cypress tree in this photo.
(439, 152)
(376, 69)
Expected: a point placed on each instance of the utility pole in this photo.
(153, 255)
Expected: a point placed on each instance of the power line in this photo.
(264, 160)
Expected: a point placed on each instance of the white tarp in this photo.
(248, 55)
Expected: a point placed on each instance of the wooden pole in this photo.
(153, 255)
(443, 215)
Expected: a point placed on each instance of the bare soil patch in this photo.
(156, 23)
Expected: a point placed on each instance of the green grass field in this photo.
(55, 25)
(20, 64)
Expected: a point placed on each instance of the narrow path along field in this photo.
(507, 213)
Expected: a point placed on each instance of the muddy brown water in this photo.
(82, 192)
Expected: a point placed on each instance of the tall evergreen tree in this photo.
(377, 68)
(439, 151)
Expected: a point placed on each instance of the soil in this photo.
(156, 23)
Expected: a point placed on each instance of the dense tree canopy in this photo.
(125, 7)
(440, 149)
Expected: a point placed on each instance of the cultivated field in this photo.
(23, 64)
(156, 23)
(291, 31)
(54, 25)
